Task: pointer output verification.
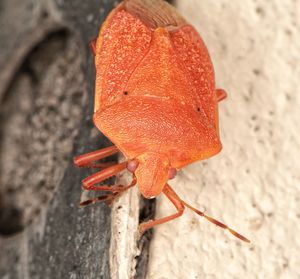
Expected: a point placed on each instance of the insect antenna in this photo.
(216, 222)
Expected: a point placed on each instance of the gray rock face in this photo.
(46, 105)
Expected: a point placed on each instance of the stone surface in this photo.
(46, 96)
(253, 184)
(124, 231)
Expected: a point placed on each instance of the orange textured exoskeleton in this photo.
(155, 99)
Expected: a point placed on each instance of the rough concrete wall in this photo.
(253, 184)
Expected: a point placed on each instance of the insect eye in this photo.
(172, 173)
(132, 165)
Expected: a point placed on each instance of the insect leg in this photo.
(88, 159)
(221, 94)
(92, 46)
(116, 190)
(104, 198)
(173, 197)
(216, 222)
(89, 182)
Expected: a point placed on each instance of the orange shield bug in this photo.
(155, 99)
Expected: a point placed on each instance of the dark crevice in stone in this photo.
(10, 220)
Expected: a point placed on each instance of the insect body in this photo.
(155, 100)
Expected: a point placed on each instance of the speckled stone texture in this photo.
(46, 105)
(253, 184)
